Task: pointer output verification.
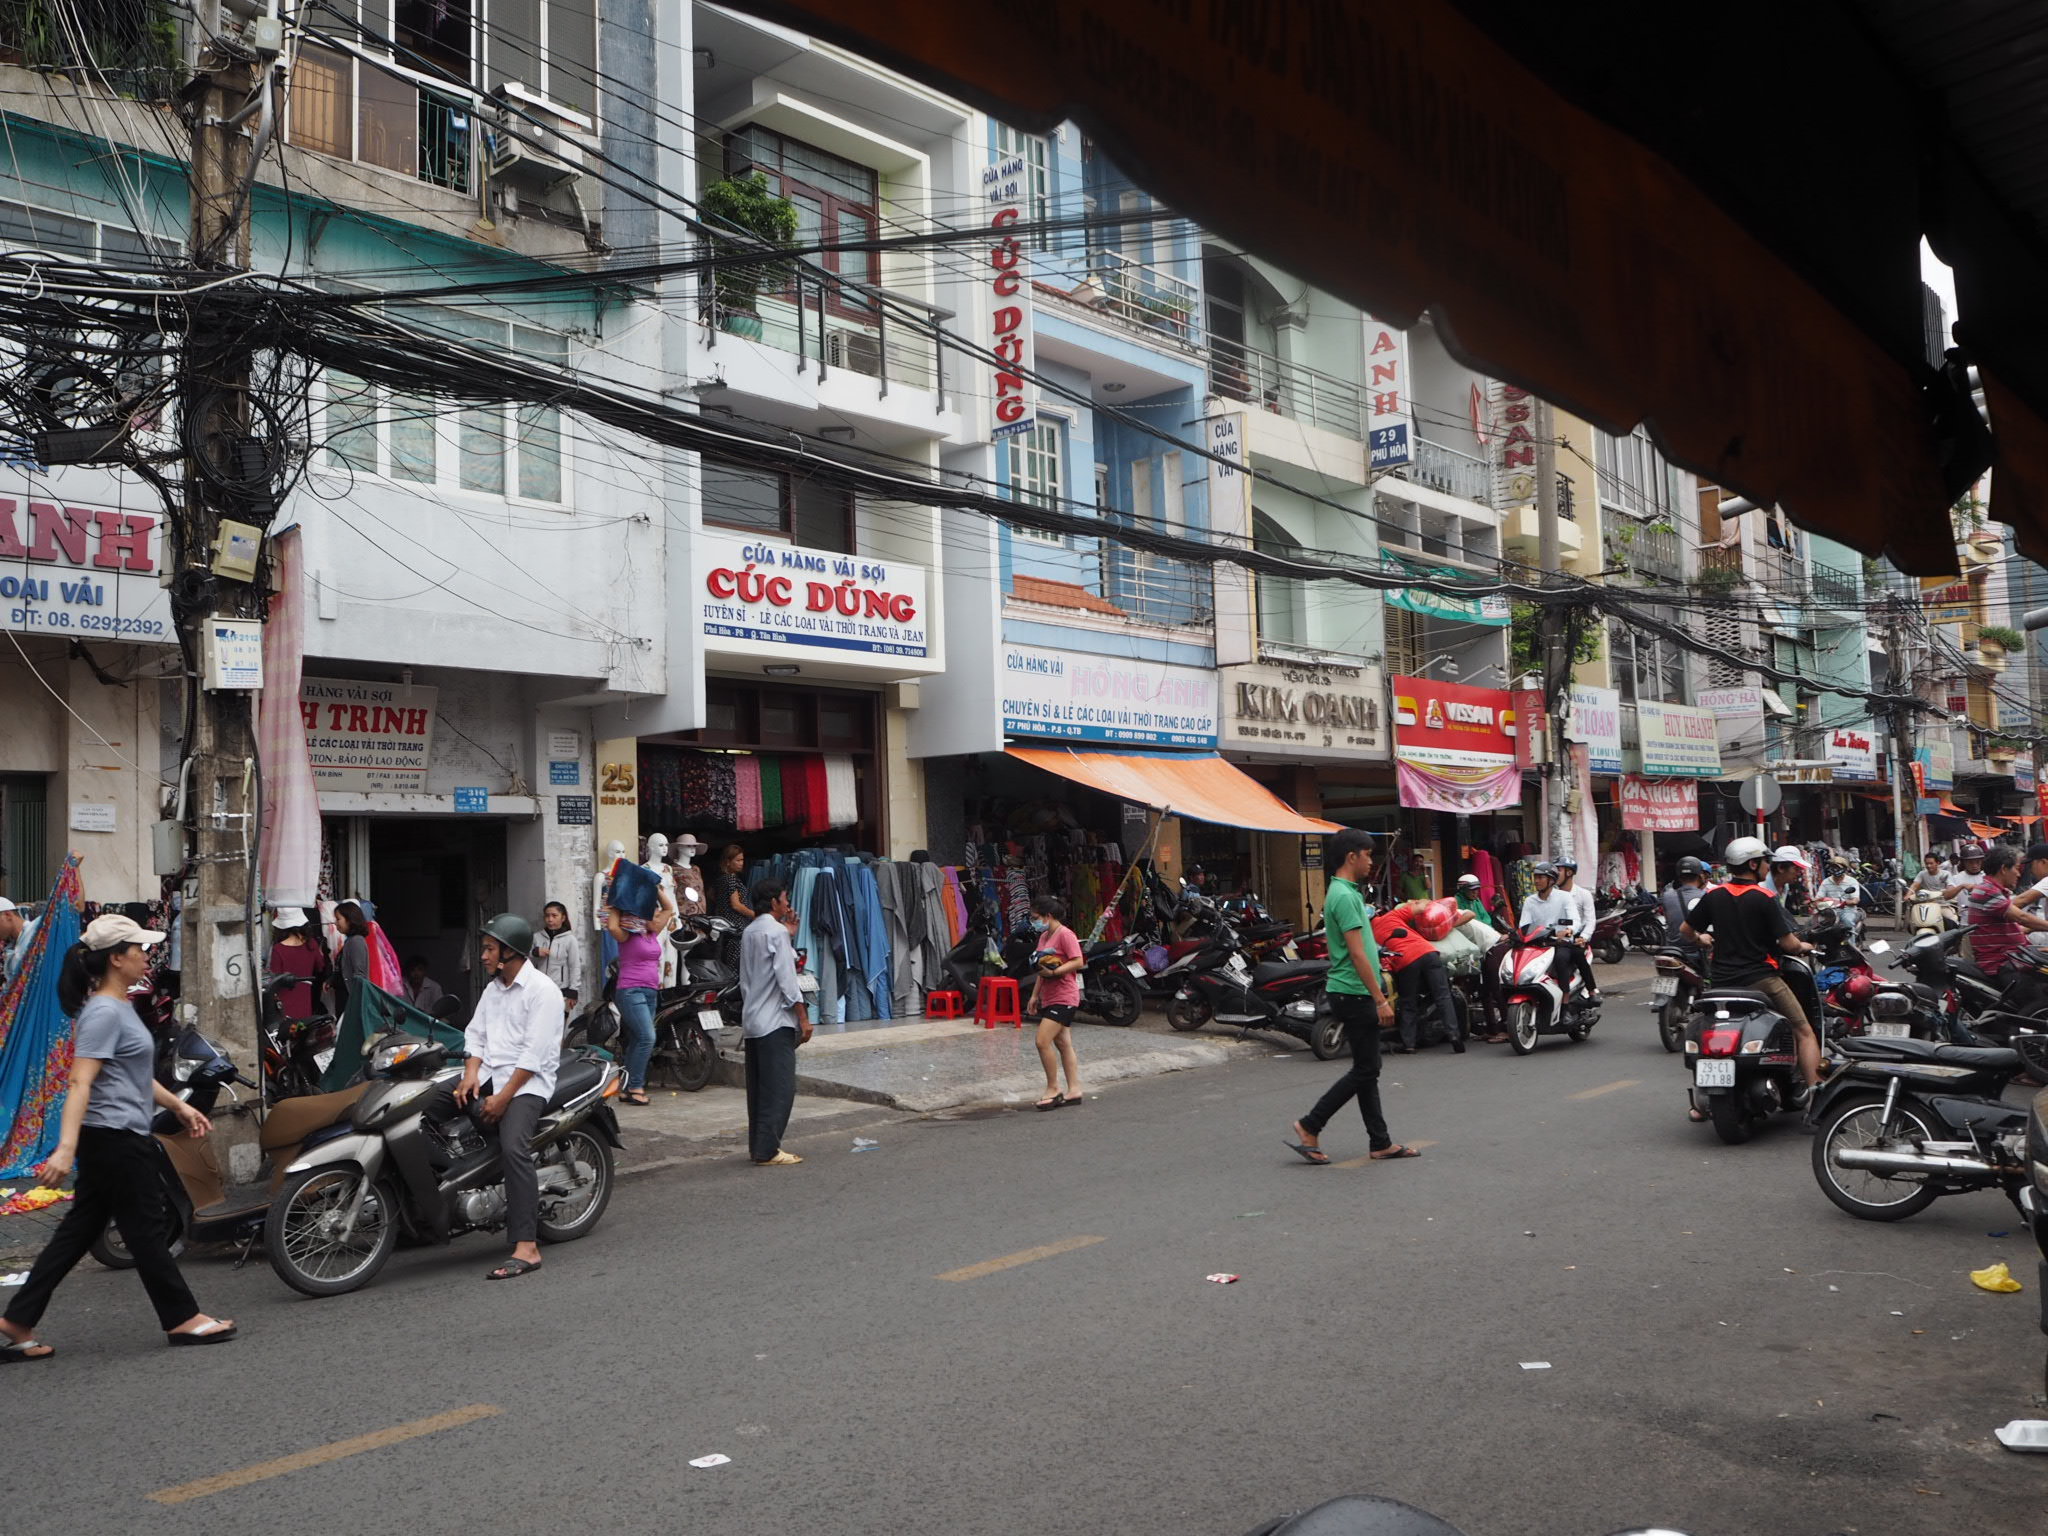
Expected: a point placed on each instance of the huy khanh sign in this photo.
(1003, 189)
(1309, 710)
(81, 572)
(1679, 741)
(761, 598)
(369, 737)
(1107, 698)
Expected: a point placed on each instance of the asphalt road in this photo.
(1726, 1353)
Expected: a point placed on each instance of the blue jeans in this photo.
(636, 1019)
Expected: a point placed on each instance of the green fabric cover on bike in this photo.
(372, 1011)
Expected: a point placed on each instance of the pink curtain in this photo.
(291, 805)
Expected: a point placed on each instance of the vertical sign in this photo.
(1002, 188)
(1230, 519)
(1390, 422)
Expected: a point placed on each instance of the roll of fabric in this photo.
(817, 797)
(842, 796)
(771, 791)
(746, 776)
(795, 800)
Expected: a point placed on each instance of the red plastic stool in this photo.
(943, 1005)
(997, 1001)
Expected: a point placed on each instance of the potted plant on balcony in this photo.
(1996, 641)
(747, 204)
(2000, 751)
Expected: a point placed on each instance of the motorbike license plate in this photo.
(1236, 966)
(1664, 986)
(1890, 1029)
(710, 1018)
(1715, 1074)
(1136, 968)
(1290, 951)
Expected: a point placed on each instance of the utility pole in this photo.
(226, 478)
(1550, 628)
(1901, 723)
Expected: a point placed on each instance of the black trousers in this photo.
(771, 1090)
(120, 1179)
(514, 1136)
(1575, 955)
(1362, 1029)
(1426, 977)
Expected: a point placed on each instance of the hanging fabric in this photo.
(35, 1032)
(795, 801)
(746, 773)
(817, 797)
(842, 797)
(771, 791)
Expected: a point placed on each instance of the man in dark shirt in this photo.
(1748, 929)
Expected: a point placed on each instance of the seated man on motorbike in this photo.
(1551, 910)
(1843, 887)
(1970, 876)
(1748, 927)
(1686, 888)
(2032, 887)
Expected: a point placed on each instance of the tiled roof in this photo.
(1060, 594)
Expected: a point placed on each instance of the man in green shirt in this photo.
(1357, 998)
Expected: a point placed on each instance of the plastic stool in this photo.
(943, 1005)
(997, 1001)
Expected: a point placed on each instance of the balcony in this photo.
(1646, 550)
(1521, 535)
(1143, 296)
(1156, 589)
(1238, 372)
(1782, 576)
(1449, 470)
(1835, 590)
(824, 320)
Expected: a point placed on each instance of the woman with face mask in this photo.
(1054, 996)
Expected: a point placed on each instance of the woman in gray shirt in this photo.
(106, 1135)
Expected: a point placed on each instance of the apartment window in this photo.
(1037, 178)
(1645, 667)
(1036, 473)
(836, 199)
(803, 510)
(1634, 476)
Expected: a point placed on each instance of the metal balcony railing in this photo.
(448, 141)
(1783, 575)
(1143, 295)
(1448, 470)
(1238, 372)
(1155, 588)
(1648, 551)
(1714, 558)
(825, 320)
(1835, 589)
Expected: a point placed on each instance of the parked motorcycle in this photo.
(1903, 1122)
(1110, 981)
(344, 1202)
(1743, 1057)
(1538, 998)
(2033, 1195)
(1610, 941)
(1642, 921)
(1111, 988)
(1224, 985)
(296, 1052)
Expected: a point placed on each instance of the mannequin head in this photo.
(614, 851)
(687, 848)
(657, 848)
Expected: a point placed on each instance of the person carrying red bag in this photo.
(1407, 936)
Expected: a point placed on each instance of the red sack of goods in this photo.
(1436, 919)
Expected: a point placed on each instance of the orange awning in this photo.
(1205, 788)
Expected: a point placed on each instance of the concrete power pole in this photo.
(218, 573)
(1557, 777)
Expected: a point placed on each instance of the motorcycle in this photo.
(344, 1202)
(1536, 1001)
(1743, 1057)
(2033, 1196)
(1930, 914)
(1642, 921)
(296, 1052)
(1282, 995)
(1610, 940)
(1677, 982)
(1110, 981)
(1903, 1122)
(1111, 986)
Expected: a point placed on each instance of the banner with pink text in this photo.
(1460, 791)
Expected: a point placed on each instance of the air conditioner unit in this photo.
(541, 143)
(856, 351)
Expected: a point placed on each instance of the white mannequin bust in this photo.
(600, 883)
(656, 864)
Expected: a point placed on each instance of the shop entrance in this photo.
(25, 865)
(435, 881)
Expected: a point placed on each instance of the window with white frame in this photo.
(495, 450)
(1644, 666)
(1634, 476)
(1037, 177)
(1037, 472)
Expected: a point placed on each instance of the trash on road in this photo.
(33, 1200)
(713, 1460)
(19, 1277)
(1997, 1278)
(862, 1144)
(2000, 1234)
(1248, 1215)
(1224, 1279)
(1898, 1314)
(1535, 1365)
(2023, 1435)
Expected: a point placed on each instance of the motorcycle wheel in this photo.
(1858, 1122)
(1188, 1012)
(1326, 1037)
(301, 1233)
(111, 1249)
(1730, 1123)
(1522, 1029)
(1121, 1001)
(1610, 951)
(1671, 1026)
(697, 1062)
(581, 1145)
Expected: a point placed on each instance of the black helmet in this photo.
(512, 932)
(1691, 866)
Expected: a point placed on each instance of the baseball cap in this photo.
(2037, 851)
(7, 906)
(110, 930)
(288, 917)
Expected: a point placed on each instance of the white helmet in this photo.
(1789, 855)
(1743, 850)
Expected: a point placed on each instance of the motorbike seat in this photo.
(1284, 970)
(1100, 948)
(575, 1075)
(1744, 995)
(1978, 1058)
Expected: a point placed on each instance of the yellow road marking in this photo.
(299, 1460)
(1594, 1093)
(1012, 1260)
(1360, 1162)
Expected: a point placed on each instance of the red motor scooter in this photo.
(1538, 997)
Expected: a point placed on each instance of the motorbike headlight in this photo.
(1891, 1005)
(392, 1055)
(182, 1069)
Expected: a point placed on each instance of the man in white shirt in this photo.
(2034, 886)
(16, 934)
(773, 1022)
(1962, 882)
(1588, 919)
(514, 1044)
(1550, 909)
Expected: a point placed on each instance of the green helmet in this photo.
(512, 932)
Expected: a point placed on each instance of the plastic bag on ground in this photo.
(1997, 1278)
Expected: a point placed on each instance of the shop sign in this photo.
(1517, 477)
(1936, 756)
(2023, 775)
(1311, 853)
(1107, 698)
(1307, 710)
(1678, 741)
(1532, 738)
(369, 737)
(569, 773)
(1595, 724)
(1853, 751)
(1802, 771)
(93, 816)
(472, 799)
(563, 744)
(1490, 610)
(1389, 418)
(1948, 599)
(574, 811)
(82, 572)
(766, 599)
(1738, 717)
(1004, 189)
(1450, 725)
(1659, 805)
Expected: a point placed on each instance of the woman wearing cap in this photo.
(106, 1135)
(295, 954)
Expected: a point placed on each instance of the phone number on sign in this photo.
(96, 623)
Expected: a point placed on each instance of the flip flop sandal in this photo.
(1388, 1154)
(1314, 1156)
(16, 1352)
(636, 1097)
(512, 1269)
(214, 1332)
(1070, 1101)
(1052, 1103)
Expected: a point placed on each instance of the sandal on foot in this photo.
(1070, 1101)
(512, 1269)
(1052, 1103)
(213, 1331)
(1388, 1154)
(16, 1351)
(1315, 1156)
(636, 1096)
